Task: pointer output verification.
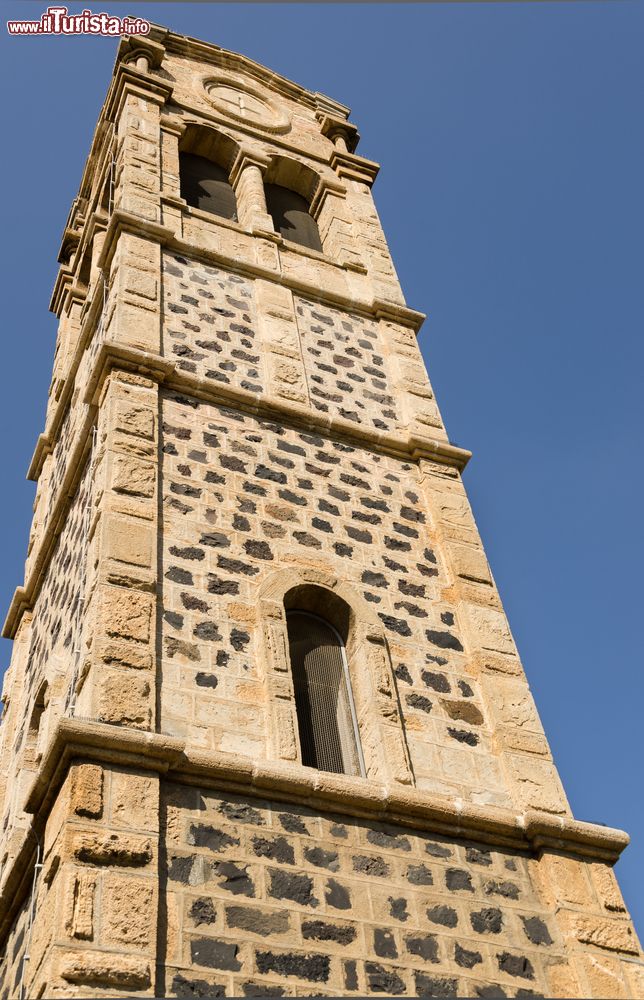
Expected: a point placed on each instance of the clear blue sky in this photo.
(512, 143)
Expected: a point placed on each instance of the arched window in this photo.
(290, 214)
(325, 711)
(205, 185)
(34, 737)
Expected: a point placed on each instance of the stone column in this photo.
(247, 179)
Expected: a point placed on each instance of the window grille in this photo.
(205, 185)
(290, 214)
(325, 711)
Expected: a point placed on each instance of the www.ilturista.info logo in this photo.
(56, 21)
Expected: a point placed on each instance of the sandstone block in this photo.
(470, 563)
(129, 912)
(604, 978)
(124, 699)
(117, 849)
(565, 880)
(131, 476)
(87, 790)
(133, 419)
(607, 888)
(107, 969)
(127, 613)
(79, 921)
(537, 784)
(563, 980)
(613, 935)
(142, 284)
(488, 628)
(134, 800)
(123, 653)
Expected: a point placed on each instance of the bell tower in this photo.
(266, 730)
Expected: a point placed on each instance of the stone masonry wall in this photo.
(211, 331)
(210, 327)
(242, 497)
(54, 637)
(268, 899)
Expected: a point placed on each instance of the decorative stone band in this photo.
(326, 792)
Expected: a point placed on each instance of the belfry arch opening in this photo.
(318, 627)
(205, 160)
(289, 187)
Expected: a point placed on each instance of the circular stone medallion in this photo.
(245, 105)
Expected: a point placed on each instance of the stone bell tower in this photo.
(266, 731)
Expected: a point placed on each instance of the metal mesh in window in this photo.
(325, 714)
(205, 185)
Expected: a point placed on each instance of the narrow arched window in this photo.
(325, 712)
(205, 185)
(290, 214)
(34, 737)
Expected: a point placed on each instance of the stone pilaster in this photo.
(121, 607)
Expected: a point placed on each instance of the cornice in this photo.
(353, 167)
(531, 830)
(397, 312)
(218, 57)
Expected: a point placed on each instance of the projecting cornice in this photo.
(320, 790)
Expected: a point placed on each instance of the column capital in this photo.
(247, 158)
(342, 134)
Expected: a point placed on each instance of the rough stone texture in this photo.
(346, 915)
(233, 416)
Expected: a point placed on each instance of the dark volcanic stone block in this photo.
(515, 965)
(443, 915)
(444, 640)
(467, 959)
(388, 840)
(420, 875)
(457, 878)
(185, 988)
(423, 945)
(506, 889)
(536, 931)
(241, 812)
(234, 879)
(278, 849)
(337, 895)
(202, 911)
(370, 866)
(382, 980)
(202, 835)
(286, 885)
(314, 968)
(384, 943)
(320, 930)
(428, 986)
(251, 918)
(214, 954)
(322, 859)
(487, 921)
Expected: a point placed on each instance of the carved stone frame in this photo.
(380, 726)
